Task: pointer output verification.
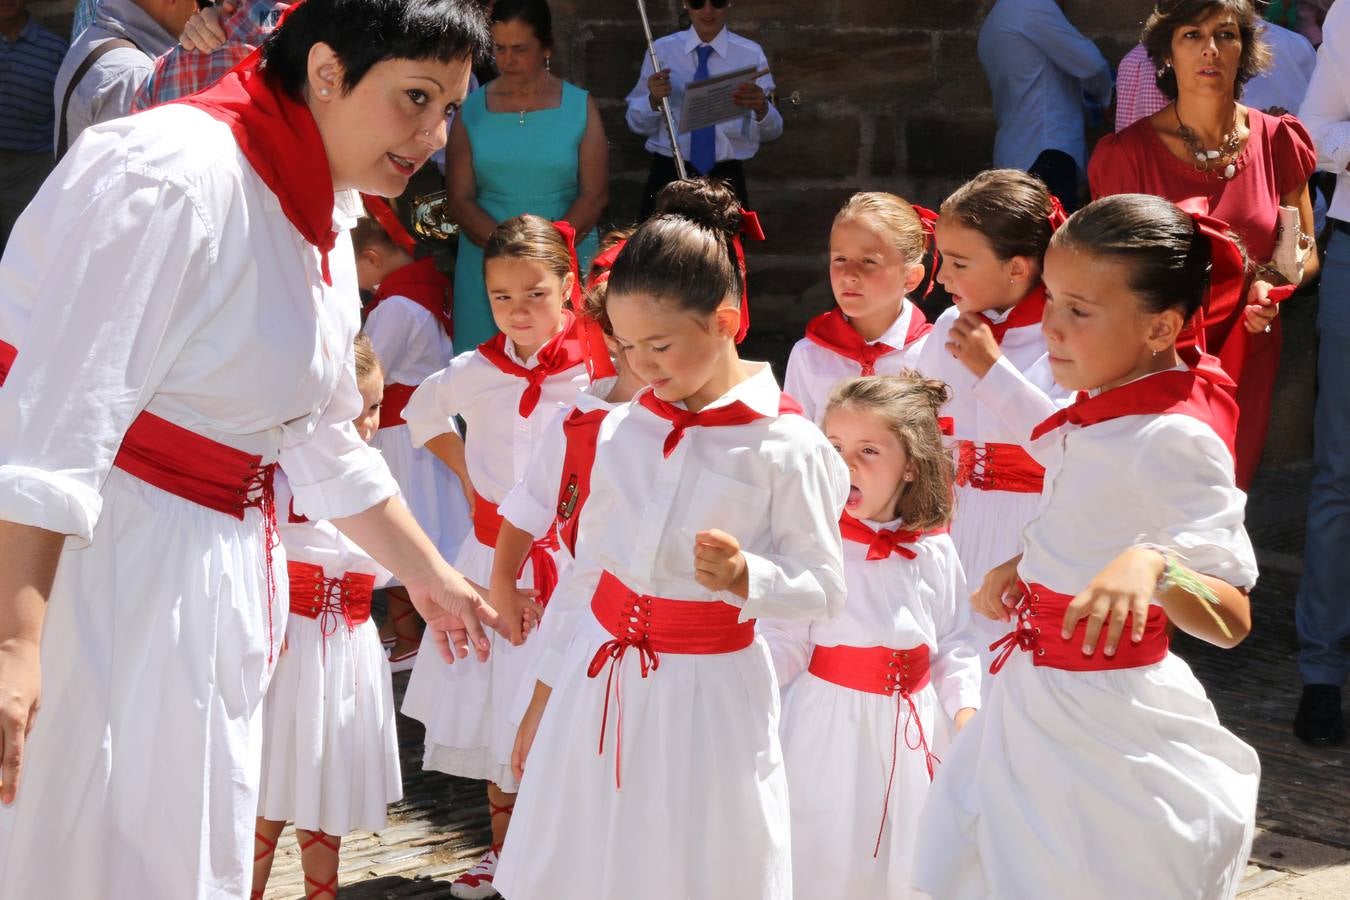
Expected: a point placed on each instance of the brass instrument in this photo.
(431, 217)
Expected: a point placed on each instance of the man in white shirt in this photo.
(1322, 610)
(1041, 71)
(707, 49)
(109, 76)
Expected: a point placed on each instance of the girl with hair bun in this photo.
(1094, 736)
(869, 687)
(649, 753)
(992, 234)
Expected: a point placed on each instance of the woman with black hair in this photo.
(177, 310)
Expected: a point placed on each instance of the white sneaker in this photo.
(476, 884)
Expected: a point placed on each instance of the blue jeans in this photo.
(1322, 610)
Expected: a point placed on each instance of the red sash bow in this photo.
(832, 331)
(563, 351)
(881, 542)
(1203, 392)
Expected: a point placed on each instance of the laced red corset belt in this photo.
(652, 626)
(208, 473)
(487, 524)
(997, 467)
(396, 397)
(882, 670)
(329, 601)
(1040, 618)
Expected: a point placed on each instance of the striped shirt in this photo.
(28, 66)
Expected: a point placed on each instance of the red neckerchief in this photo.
(581, 430)
(1028, 311)
(380, 210)
(832, 331)
(562, 352)
(881, 542)
(423, 284)
(736, 413)
(1203, 392)
(279, 138)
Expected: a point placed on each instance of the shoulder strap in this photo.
(94, 56)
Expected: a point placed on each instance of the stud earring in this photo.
(1162, 70)
(324, 92)
(548, 64)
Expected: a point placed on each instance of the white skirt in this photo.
(429, 487)
(330, 748)
(1090, 784)
(987, 531)
(142, 769)
(471, 709)
(703, 811)
(837, 747)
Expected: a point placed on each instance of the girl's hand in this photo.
(971, 342)
(1261, 309)
(518, 609)
(204, 32)
(1120, 591)
(963, 716)
(20, 697)
(1000, 592)
(529, 726)
(455, 613)
(719, 564)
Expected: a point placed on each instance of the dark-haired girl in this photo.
(871, 687)
(1097, 767)
(992, 234)
(649, 754)
(508, 390)
(180, 318)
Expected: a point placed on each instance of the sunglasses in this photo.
(699, 4)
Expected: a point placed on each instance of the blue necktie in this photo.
(703, 141)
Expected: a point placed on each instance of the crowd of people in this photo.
(699, 635)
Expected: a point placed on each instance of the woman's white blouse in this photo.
(155, 271)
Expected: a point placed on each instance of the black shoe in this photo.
(1319, 721)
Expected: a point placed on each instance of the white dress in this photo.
(202, 300)
(813, 371)
(330, 748)
(838, 743)
(987, 524)
(703, 807)
(412, 346)
(1127, 781)
(469, 710)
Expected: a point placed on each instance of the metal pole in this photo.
(665, 101)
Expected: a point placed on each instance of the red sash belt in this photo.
(487, 524)
(8, 352)
(330, 600)
(881, 670)
(207, 473)
(396, 397)
(997, 467)
(1040, 618)
(656, 625)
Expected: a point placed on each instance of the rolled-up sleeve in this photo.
(98, 299)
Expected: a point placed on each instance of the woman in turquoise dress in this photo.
(527, 142)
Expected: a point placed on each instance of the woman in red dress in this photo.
(1210, 154)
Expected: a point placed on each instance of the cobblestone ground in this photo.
(1302, 851)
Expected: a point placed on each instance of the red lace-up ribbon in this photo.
(997, 467)
(330, 601)
(208, 473)
(882, 670)
(1040, 619)
(651, 626)
(487, 524)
